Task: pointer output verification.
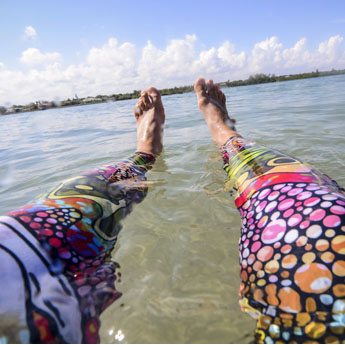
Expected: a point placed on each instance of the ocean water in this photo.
(178, 248)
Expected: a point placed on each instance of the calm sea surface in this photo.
(178, 248)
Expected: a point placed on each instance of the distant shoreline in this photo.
(260, 78)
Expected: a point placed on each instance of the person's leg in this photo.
(59, 245)
(292, 246)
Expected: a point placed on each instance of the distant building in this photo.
(14, 109)
(91, 100)
(45, 105)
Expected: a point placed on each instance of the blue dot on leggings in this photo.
(326, 299)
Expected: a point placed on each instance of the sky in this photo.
(56, 49)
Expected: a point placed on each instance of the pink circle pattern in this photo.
(292, 255)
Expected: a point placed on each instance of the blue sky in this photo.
(53, 49)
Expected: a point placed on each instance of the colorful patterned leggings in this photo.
(57, 274)
(292, 245)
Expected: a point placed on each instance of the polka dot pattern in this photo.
(300, 248)
(294, 282)
(78, 234)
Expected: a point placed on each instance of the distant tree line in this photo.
(163, 92)
(262, 78)
(259, 78)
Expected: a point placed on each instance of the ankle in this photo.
(221, 134)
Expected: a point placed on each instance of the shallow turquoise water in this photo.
(178, 249)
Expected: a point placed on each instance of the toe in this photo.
(155, 96)
(201, 92)
(139, 108)
(209, 84)
(223, 98)
(212, 89)
(216, 91)
(146, 99)
(137, 112)
(200, 87)
(219, 94)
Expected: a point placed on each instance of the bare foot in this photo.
(150, 116)
(211, 102)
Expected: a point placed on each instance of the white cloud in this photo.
(330, 51)
(226, 52)
(30, 33)
(269, 56)
(111, 54)
(33, 56)
(265, 54)
(168, 66)
(296, 54)
(115, 68)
